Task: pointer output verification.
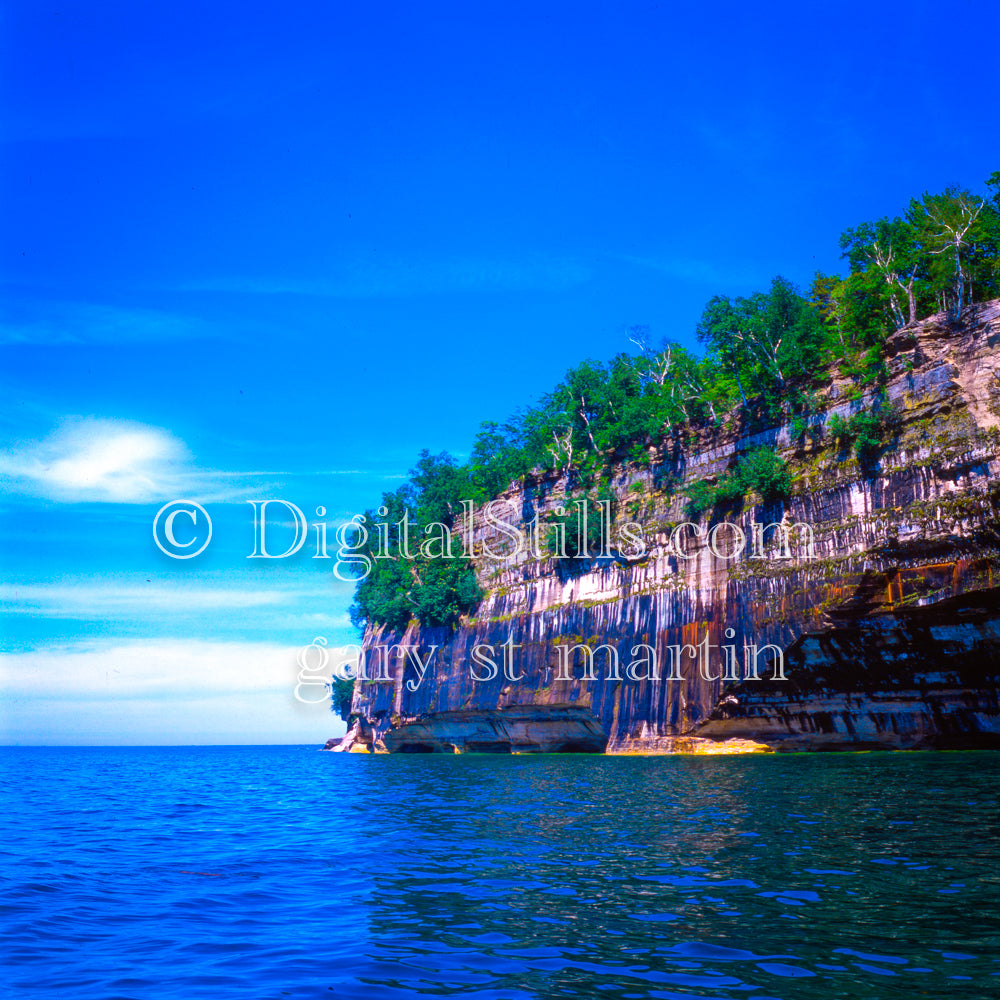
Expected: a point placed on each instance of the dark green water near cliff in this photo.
(265, 872)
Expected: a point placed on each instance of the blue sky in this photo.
(253, 251)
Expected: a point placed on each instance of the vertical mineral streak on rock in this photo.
(891, 634)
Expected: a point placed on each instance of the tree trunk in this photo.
(739, 385)
(959, 281)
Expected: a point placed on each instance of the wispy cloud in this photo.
(393, 277)
(73, 601)
(98, 459)
(102, 459)
(181, 691)
(89, 323)
(180, 667)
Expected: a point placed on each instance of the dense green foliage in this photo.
(867, 431)
(416, 570)
(765, 355)
(764, 473)
(341, 694)
(760, 471)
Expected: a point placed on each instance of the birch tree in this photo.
(890, 249)
(950, 226)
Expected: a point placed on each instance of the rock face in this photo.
(886, 627)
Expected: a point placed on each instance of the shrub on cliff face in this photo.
(701, 498)
(765, 473)
(341, 695)
(838, 427)
(729, 491)
(445, 589)
(761, 472)
(869, 432)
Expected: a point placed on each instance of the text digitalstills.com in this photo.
(182, 529)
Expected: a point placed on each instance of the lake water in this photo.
(277, 872)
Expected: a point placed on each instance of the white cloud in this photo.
(72, 601)
(115, 461)
(179, 609)
(97, 459)
(181, 691)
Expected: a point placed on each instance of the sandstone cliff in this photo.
(890, 626)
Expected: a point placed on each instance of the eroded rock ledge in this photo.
(891, 631)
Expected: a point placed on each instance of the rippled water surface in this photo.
(274, 872)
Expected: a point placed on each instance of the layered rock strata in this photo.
(888, 623)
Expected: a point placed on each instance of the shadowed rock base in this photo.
(920, 678)
(524, 730)
(546, 729)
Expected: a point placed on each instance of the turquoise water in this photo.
(276, 872)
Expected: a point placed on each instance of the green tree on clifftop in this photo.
(763, 354)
